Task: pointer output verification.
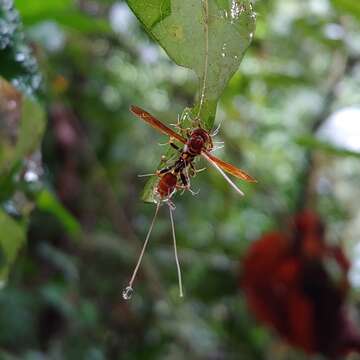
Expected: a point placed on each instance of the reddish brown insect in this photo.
(199, 142)
(175, 176)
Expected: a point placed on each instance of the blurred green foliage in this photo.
(63, 298)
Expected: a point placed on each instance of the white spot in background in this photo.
(320, 7)
(31, 176)
(149, 53)
(49, 35)
(284, 15)
(334, 31)
(33, 167)
(121, 18)
(354, 274)
(342, 129)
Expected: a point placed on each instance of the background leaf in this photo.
(31, 129)
(47, 202)
(11, 239)
(22, 124)
(348, 6)
(64, 13)
(10, 115)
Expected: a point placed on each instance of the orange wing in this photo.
(241, 174)
(155, 123)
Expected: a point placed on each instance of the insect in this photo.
(177, 176)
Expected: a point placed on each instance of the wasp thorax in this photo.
(199, 140)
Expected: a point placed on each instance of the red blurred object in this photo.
(297, 284)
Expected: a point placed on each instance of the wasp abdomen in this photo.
(167, 185)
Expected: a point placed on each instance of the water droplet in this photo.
(31, 176)
(223, 50)
(127, 293)
(20, 57)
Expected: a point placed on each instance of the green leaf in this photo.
(10, 114)
(210, 37)
(22, 125)
(348, 6)
(31, 8)
(21, 129)
(31, 129)
(47, 202)
(152, 11)
(64, 12)
(11, 239)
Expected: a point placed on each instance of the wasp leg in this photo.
(183, 131)
(193, 171)
(165, 170)
(184, 180)
(174, 146)
(171, 143)
(188, 178)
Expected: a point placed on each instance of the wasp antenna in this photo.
(230, 182)
(216, 131)
(145, 175)
(181, 294)
(217, 148)
(128, 291)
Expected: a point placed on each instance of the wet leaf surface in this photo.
(214, 53)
